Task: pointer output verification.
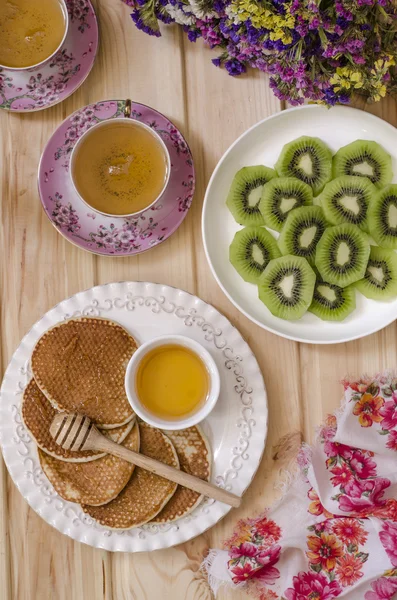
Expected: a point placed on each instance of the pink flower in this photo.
(376, 489)
(392, 440)
(243, 573)
(389, 413)
(342, 475)
(362, 465)
(312, 585)
(266, 573)
(332, 449)
(245, 549)
(270, 556)
(388, 537)
(355, 487)
(384, 589)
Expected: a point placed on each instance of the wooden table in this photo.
(39, 268)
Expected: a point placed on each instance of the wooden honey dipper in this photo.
(75, 432)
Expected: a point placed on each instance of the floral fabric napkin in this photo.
(334, 533)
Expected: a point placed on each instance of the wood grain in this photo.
(39, 268)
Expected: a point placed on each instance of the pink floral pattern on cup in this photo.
(51, 83)
(110, 235)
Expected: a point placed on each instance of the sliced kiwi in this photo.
(286, 286)
(382, 217)
(380, 279)
(364, 158)
(251, 250)
(246, 192)
(331, 302)
(280, 196)
(308, 159)
(346, 200)
(302, 231)
(342, 254)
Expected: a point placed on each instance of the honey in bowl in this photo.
(120, 167)
(172, 382)
(30, 31)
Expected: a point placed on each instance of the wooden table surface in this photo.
(39, 268)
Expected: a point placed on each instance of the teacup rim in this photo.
(131, 121)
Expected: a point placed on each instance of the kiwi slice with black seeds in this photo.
(286, 286)
(342, 254)
(331, 302)
(382, 217)
(364, 158)
(308, 159)
(246, 192)
(302, 231)
(346, 200)
(251, 250)
(280, 196)
(380, 279)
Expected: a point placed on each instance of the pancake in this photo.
(80, 366)
(37, 414)
(97, 481)
(145, 494)
(194, 455)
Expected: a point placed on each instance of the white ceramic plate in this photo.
(262, 144)
(236, 428)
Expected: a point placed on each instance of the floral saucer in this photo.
(98, 233)
(27, 91)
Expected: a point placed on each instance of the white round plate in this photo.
(262, 144)
(236, 428)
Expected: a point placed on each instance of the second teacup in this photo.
(31, 32)
(120, 167)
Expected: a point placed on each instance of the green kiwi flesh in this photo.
(364, 158)
(280, 196)
(382, 217)
(250, 252)
(286, 286)
(342, 254)
(302, 231)
(346, 200)
(380, 279)
(308, 159)
(331, 302)
(245, 194)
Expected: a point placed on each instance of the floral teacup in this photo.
(133, 124)
(49, 58)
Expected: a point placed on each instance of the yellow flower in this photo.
(345, 78)
(263, 17)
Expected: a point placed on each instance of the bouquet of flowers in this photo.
(320, 50)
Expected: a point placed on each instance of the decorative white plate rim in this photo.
(205, 211)
(239, 364)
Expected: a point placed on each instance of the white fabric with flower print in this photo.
(342, 539)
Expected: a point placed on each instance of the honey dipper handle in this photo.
(158, 468)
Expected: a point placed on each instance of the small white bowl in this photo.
(194, 418)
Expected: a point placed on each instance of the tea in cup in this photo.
(31, 32)
(120, 167)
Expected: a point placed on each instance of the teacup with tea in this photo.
(120, 167)
(31, 32)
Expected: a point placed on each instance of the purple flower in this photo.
(136, 17)
(234, 67)
(303, 61)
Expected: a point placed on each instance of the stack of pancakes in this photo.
(79, 366)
